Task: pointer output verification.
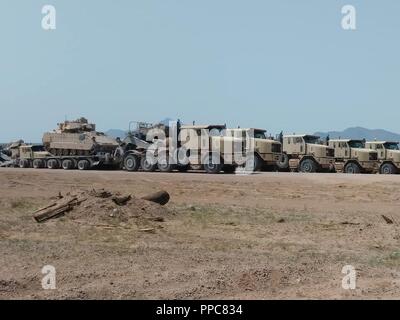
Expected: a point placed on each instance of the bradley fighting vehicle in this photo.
(388, 155)
(303, 153)
(78, 138)
(352, 156)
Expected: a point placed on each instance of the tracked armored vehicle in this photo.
(78, 138)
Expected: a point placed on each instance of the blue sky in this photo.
(280, 65)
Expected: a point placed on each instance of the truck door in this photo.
(381, 151)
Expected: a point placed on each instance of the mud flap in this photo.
(294, 164)
(339, 167)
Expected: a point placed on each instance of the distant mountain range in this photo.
(116, 133)
(361, 133)
(350, 133)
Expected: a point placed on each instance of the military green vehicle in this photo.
(304, 153)
(388, 155)
(352, 156)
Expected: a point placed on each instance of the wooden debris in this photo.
(161, 197)
(388, 220)
(150, 230)
(350, 223)
(56, 209)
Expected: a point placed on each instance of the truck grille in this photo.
(330, 153)
(276, 148)
(373, 156)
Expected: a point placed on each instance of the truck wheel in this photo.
(253, 164)
(132, 162)
(147, 164)
(83, 165)
(52, 164)
(388, 168)
(352, 168)
(67, 164)
(24, 163)
(164, 166)
(308, 166)
(38, 163)
(211, 164)
(283, 162)
(163, 162)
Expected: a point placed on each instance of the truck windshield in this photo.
(356, 144)
(259, 135)
(391, 146)
(215, 132)
(310, 139)
(37, 148)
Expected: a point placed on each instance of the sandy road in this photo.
(266, 235)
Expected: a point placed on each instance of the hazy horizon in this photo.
(279, 65)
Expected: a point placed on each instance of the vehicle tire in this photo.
(211, 165)
(38, 163)
(52, 164)
(132, 162)
(67, 164)
(163, 162)
(283, 162)
(388, 168)
(256, 165)
(308, 166)
(147, 164)
(352, 168)
(24, 163)
(83, 165)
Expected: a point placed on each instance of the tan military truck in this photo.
(214, 149)
(351, 156)
(388, 155)
(180, 148)
(304, 153)
(30, 156)
(264, 152)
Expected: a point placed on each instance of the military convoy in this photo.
(212, 148)
(352, 156)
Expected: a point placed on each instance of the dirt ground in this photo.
(263, 236)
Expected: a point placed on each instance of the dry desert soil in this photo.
(261, 236)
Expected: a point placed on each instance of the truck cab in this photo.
(352, 156)
(267, 151)
(388, 155)
(303, 152)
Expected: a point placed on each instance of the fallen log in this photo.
(56, 209)
(160, 197)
